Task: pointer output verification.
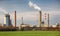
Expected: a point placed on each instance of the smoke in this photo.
(2, 10)
(34, 6)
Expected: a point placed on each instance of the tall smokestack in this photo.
(48, 20)
(22, 21)
(40, 19)
(15, 18)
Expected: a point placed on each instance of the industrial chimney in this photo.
(48, 20)
(15, 19)
(40, 19)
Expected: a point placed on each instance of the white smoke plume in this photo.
(34, 6)
(2, 10)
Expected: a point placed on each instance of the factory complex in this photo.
(7, 26)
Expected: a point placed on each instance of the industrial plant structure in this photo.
(41, 25)
(15, 19)
(40, 19)
(9, 27)
(7, 20)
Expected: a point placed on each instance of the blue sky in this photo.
(30, 14)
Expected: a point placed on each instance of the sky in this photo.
(29, 14)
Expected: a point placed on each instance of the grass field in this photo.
(30, 33)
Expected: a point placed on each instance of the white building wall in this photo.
(4, 20)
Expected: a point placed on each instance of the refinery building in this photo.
(40, 25)
(7, 20)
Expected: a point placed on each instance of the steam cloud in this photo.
(34, 6)
(2, 10)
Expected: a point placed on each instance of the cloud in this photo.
(30, 4)
(3, 10)
(35, 6)
(1, 18)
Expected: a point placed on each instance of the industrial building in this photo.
(40, 26)
(7, 26)
(7, 20)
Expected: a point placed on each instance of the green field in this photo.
(30, 33)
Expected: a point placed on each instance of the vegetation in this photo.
(30, 33)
